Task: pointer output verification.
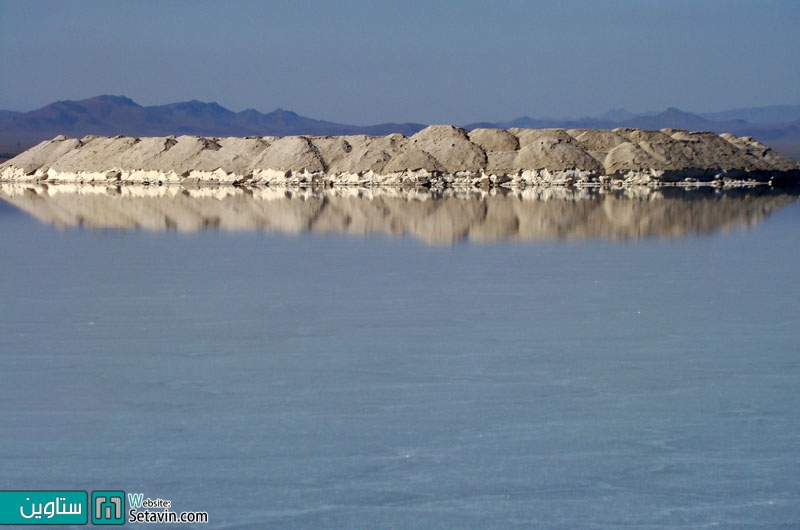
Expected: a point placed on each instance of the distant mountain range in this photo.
(778, 126)
(113, 115)
(782, 134)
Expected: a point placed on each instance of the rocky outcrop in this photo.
(434, 216)
(439, 156)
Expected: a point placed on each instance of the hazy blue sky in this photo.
(371, 61)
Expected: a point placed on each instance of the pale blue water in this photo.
(345, 382)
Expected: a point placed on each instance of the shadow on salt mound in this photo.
(494, 139)
(552, 154)
(295, 153)
(594, 140)
(451, 147)
(413, 160)
(359, 154)
(628, 157)
(44, 154)
(529, 136)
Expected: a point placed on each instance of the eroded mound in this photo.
(438, 156)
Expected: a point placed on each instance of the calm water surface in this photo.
(335, 381)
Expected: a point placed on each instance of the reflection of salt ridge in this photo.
(443, 216)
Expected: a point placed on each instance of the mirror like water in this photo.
(319, 380)
(435, 217)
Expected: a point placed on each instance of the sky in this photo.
(366, 62)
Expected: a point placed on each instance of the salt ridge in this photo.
(439, 156)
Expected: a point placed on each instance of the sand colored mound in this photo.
(437, 156)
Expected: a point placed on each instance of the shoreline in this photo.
(419, 182)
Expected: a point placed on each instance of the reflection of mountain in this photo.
(439, 218)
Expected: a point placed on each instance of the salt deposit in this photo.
(439, 156)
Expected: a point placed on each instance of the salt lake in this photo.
(408, 361)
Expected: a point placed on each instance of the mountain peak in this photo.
(196, 108)
(108, 99)
(283, 112)
(675, 111)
